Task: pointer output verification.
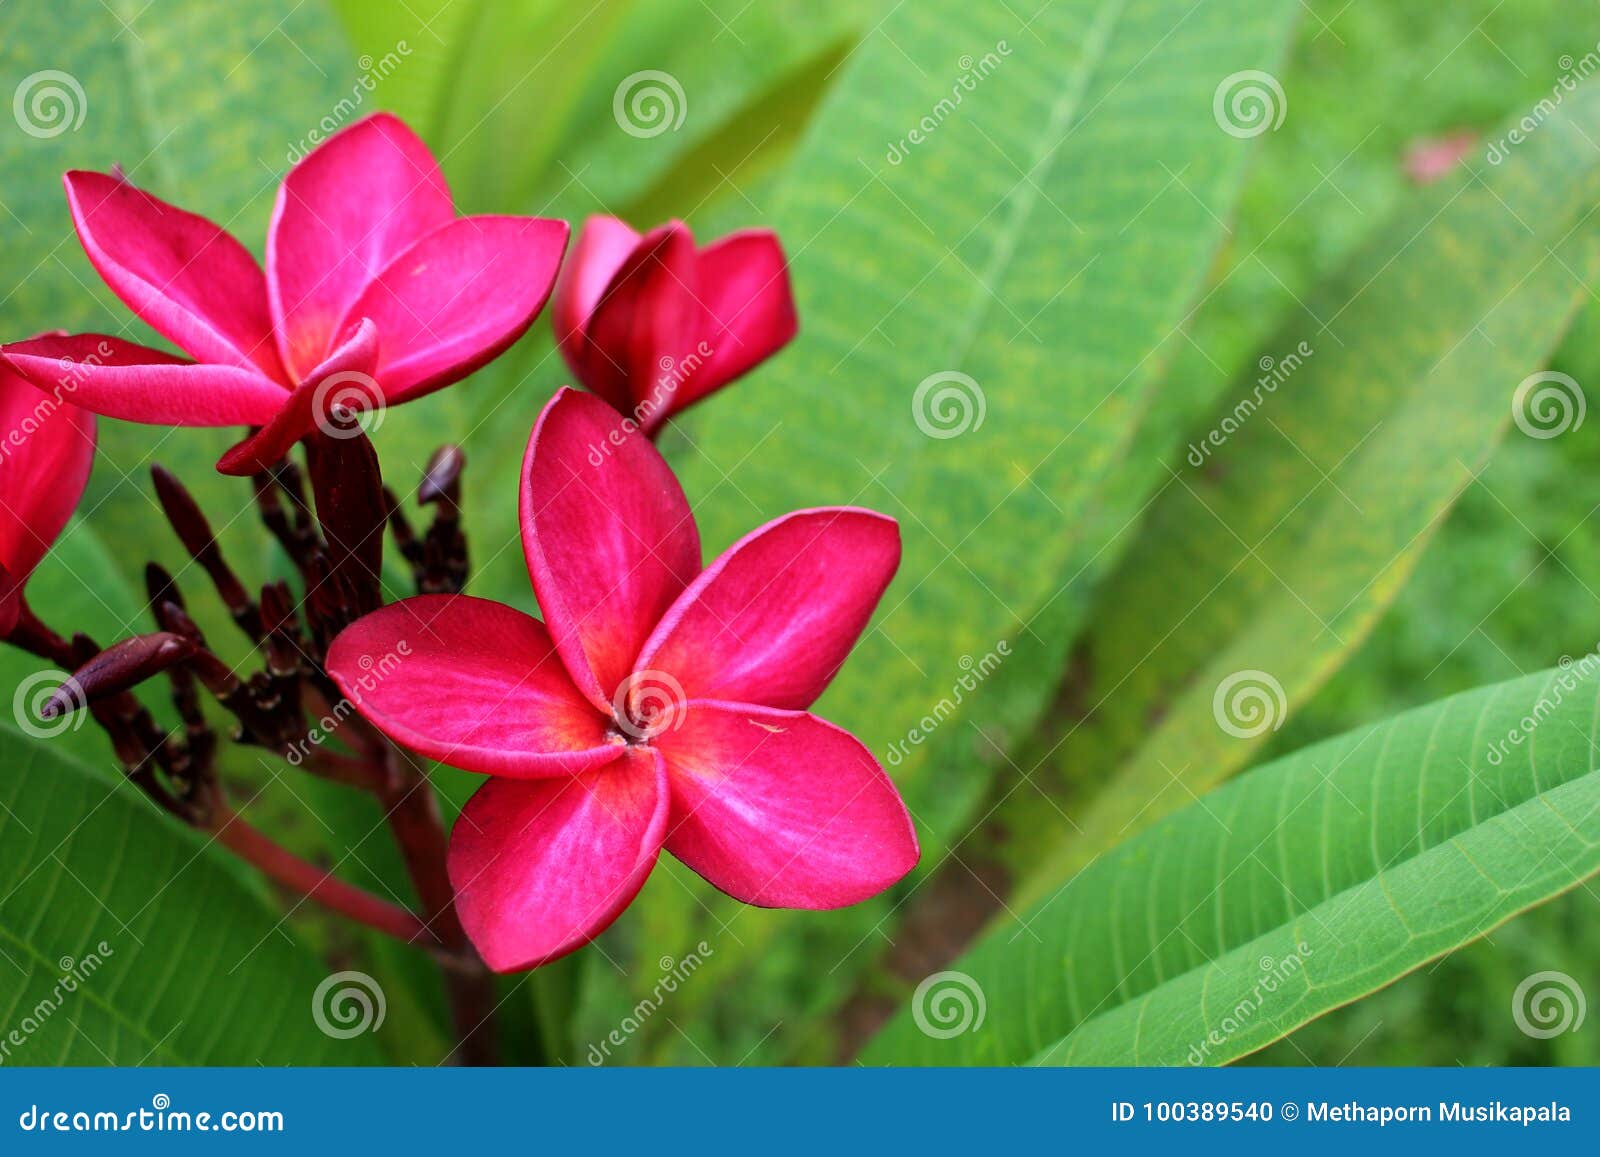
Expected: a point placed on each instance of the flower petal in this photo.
(771, 620)
(604, 244)
(781, 809)
(470, 683)
(744, 284)
(47, 453)
(542, 867)
(119, 379)
(459, 298)
(646, 323)
(184, 275)
(344, 380)
(344, 213)
(609, 538)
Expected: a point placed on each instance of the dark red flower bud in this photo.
(160, 587)
(442, 477)
(348, 489)
(117, 668)
(195, 534)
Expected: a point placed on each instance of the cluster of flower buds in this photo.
(660, 704)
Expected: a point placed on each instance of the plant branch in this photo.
(413, 815)
(308, 880)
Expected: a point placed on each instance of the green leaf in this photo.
(76, 584)
(408, 54)
(1266, 565)
(171, 959)
(1302, 886)
(1035, 240)
(519, 97)
(677, 74)
(516, 71)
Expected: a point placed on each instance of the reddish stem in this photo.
(312, 882)
(31, 635)
(413, 814)
(344, 769)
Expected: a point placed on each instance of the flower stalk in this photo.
(308, 880)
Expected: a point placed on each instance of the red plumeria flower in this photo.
(658, 705)
(46, 451)
(653, 325)
(375, 293)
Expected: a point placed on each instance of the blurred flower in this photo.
(375, 293)
(653, 325)
(46, 450)
(662, 706)
(1427, 159)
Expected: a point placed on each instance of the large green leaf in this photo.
(1327, 180)
(127, 940)
(1037, 241)
(1302, 886)
(678, 73)
(490, 83)
(1266, 565)
(520, 98)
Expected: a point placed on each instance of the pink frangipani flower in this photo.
(652, 324)
(46, 452)
(658, 704)
(375, 293)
